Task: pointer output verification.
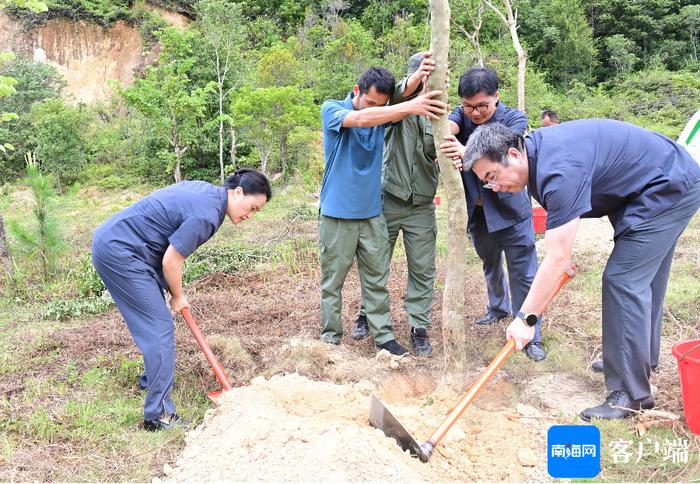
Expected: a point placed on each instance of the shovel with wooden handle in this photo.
(211, 358)
(380, 417)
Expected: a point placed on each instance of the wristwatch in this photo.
(530, 319)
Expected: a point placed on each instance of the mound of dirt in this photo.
(290, 428)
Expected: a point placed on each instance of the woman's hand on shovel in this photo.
(178, 302)
(520, 332)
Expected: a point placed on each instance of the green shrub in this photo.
(62, 310)
(89, 283)
(229, 260)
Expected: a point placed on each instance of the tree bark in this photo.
(510, 19)
(233, 149)
(5, 254)
(221, 130)
(283, 153)
(453, 331)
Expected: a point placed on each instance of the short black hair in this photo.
(548, 113)
(252, 182)
(478, 80)
(382, 80)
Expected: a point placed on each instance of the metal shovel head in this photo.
(381, 418)
(214, 396)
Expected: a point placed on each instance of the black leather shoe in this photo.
(361, 329)
(490, 318)
(393, 347)
(535, 351)
(420, 342)
(622, 404)
(166, 422)
(598, 367)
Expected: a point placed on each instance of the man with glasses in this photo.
(648, 187)
(499, 223)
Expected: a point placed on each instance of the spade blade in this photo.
(381, 418)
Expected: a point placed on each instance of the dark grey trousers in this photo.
(634, 286)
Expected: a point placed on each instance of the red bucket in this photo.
(539, 219)
(688, 355)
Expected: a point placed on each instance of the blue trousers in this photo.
(137, 293)
(515, 244)
(634, 286)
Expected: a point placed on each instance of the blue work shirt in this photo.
(501, 209)
(352, 181)
(596, 167)
(185, 214)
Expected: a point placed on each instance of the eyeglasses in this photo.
(480, 108)
(490, 182)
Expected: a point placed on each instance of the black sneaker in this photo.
(166, 422)
(393, 347)
(420, 342)
(361, 329)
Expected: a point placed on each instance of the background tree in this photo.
(343, 58)
(509, 17)
(278, 67)
(559, 40)
(167, 97)
(621, 53)
(220, 23)
(469, 24)
(43, 241)
(58, 132)
(35, 82)
(691, 17)
(267, 116)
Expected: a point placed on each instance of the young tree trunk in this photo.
(179, 154)
(510, 19)
(264, 156)
(221, 131)
(283, 153)
(233, 149)
(453, 331)
(5, 254)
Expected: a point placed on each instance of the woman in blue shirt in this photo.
(140, 251)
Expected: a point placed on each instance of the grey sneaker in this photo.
(361, 329)
(420, 342)
(166, 422)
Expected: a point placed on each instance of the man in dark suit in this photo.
(500, 224)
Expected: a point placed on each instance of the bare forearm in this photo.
(546, 283)
(412, 85)
(172, 270)
(369, 117)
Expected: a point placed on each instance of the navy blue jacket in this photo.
(501, 210)
(595, 167)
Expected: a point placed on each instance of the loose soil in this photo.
(290, 428)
